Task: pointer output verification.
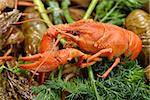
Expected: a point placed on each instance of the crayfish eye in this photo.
(75, 33)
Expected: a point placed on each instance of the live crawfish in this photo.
(97, 38)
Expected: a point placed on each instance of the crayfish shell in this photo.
(147, 6)
(138, 21)
(147, 72)
(6, 21)
(146, 49)
(6, 3)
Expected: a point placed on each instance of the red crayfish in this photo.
(96, 38)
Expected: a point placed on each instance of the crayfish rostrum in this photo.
(98, 39)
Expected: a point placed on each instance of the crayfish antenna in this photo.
(29, 20)
(25, 3)
(22, 3)
(6, 58)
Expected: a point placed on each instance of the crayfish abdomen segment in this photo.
(134, 46)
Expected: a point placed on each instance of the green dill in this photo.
(55, 10)
(65, 4)
(124, 82)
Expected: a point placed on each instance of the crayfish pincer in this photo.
(50, 60)
(99, 39)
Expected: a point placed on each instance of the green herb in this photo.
(65, 4)
(92, 80)
(14, 69)
(124, 82)
(115, 11)
(90, 9)
(78, 89)
(2, 68)
(56, 11)
(42, 11)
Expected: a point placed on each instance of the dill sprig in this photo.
(77, 89)
(124, 82)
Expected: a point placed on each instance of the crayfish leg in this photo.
(117, 60)
(33, 66)
(41, 77)
(31, 58)
(103, 51)
(83, 65)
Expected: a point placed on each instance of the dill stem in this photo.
(65, 4)
(90, 9)
(92, 80)
(60, 72)
(105, 17)
(42, 11)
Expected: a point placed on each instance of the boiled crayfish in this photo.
(96, 38)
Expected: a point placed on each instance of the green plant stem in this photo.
(90, 9)
(65, 4)
(92, 80)
(42, 11)
(62, 41)
(116, 5)
(60, 72)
